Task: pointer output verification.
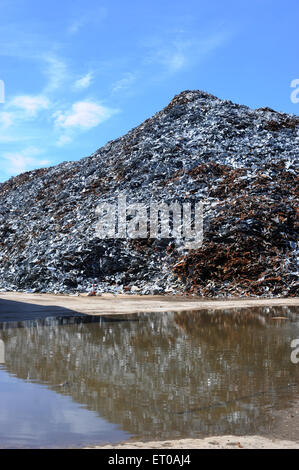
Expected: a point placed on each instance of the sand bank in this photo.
(16, 305)
(217, 442)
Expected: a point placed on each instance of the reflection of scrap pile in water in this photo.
(2, 352)
(174, 374)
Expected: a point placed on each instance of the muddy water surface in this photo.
(79, 381)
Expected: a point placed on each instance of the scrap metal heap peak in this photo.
(243, 163)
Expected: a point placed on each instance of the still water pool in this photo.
(86, 380)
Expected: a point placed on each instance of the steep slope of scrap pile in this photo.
(241, 162)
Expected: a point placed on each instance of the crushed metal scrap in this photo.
(243, 163)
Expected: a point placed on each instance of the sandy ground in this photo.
(217, 442)
(16, 306)
(286, 423)
(285, 435)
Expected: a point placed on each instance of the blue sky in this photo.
(80, 73)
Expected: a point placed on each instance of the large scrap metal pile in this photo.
(243, 163)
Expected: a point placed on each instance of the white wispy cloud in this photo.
(6, 119)
(83, 114)
(19, 162)
(83, 82)
(75, 26)
(17, 40)
(64, 140)
(55, 70)
(94, 16)
(124, 83)
(17, 111)
(31, 105)
(175, 60)
(175, 54)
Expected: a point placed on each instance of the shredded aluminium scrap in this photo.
(242, 163)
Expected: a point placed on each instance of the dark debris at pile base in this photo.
(243, 163)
